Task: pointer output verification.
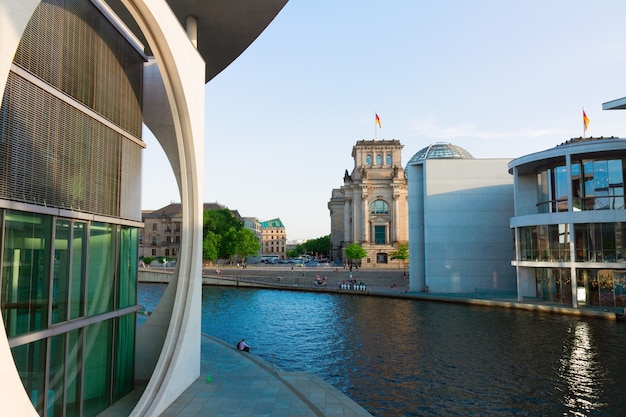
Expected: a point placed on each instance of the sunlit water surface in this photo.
(417, 358)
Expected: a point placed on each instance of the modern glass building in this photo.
(70, 150)
(570, 223)
(79, 80)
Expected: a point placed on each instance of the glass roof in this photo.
(441, 151)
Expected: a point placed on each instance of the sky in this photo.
(501, 79)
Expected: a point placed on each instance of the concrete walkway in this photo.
(234, 383)
(242, 384)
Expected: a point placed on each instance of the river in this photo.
(421, 358)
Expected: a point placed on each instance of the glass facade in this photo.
(70, 128)
(597, 184)
(593, 287)
(581, 263)
(545, 243)
(594, 243)
(68, 299)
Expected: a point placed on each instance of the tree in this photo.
(246, 244)
(319, 246)
(219, 221)
(210, 246)
(401, 254)
(354, 251)
(221, 234)
(228, 248)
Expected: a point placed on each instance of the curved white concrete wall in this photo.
(14, 16)
(182, 71)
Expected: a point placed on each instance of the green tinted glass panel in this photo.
(56, 375)
(129, 259)
(78, 274)
(101, 268)
(97, 351)
(61, 271)
(124, 356)
(30, 361)
(74, 374)
(26, 272)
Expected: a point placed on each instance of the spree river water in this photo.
(418, 358)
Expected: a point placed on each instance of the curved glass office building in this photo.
(79, 80)
(570, 223)
(70, 150)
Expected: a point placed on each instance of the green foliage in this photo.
(147, 260)
(402, 253)
(319, 246)
(219, 228)
(246, 244)
(355, 251)
(224, 237)
(219, 221)
(210, 246)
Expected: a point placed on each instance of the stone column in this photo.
(347, 211)
(366, 219)
(357, 218)
(394, 219)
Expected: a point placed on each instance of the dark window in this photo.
(379, 207)
(379, 234)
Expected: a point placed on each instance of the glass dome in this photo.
(440, 151)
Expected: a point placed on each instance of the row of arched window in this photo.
(379, 159)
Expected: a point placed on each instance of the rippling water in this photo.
(417, 358)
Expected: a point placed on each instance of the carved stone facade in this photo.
(371, 207)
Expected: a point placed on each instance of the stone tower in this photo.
(371, 207)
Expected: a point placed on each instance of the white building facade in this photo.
(459, 213)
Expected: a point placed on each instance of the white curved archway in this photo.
(175, 87)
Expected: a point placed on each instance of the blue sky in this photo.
(501, 79)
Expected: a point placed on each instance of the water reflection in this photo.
(409, 358)
(581, 372)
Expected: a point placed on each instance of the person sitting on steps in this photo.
(243, 346)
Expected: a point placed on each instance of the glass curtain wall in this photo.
(553, 190)
(59, 273)
(597, 184)
(601, 242)
(545, 243)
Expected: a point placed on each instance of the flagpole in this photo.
(376, 122)
(375, 127)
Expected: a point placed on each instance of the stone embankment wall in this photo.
(284, 276)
